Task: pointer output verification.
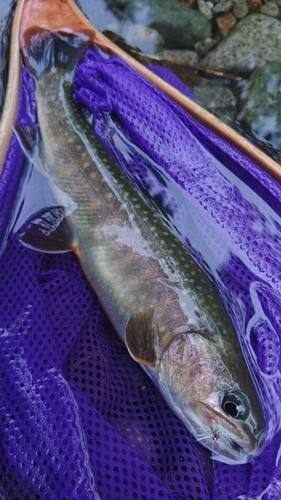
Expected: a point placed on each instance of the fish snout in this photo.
(256, 436)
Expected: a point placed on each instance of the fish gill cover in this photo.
(79, 418)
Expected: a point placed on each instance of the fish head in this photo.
(224, 415)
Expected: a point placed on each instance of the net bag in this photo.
(79, 419)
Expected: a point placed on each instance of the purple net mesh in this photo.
(78, 417)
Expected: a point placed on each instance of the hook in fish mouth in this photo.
(231, 452)
(224, 441)
(227, 450)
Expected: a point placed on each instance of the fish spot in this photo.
(94, 204)
(109, 196)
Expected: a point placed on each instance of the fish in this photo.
(157, 298)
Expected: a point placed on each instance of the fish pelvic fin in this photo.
(27, 136)
(48, 231)
(140, 338)
(44, 50)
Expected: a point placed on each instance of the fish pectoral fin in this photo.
(48, 231)
(140, 338)
(27, 136)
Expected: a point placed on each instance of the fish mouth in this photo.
(239, 438)
(224, 448)
(231, 445)
(232, 453)
(236, 447)
(230, 459)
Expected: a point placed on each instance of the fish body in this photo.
(156, 296)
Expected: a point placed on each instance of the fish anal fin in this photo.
(48, 231)
(140, 338)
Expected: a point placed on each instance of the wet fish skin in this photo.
(156, 296)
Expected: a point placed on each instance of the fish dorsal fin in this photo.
(48, 231)
(140, 338)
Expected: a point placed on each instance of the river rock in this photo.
(240, 9)
(223, 6)
(254, 5)
(205, 8)
(225, 22)
(204, 46)
(261, 106)
(145, 39)
(217, 100)
(254, 41)
(270, 9)
(180, 56)
(180, 26)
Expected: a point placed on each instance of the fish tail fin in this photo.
(43, 50)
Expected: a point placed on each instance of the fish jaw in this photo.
(195, 381)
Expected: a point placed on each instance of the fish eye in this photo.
(236, 405)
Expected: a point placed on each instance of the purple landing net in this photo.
(78, 417)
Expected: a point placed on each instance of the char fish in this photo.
(156, 296)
